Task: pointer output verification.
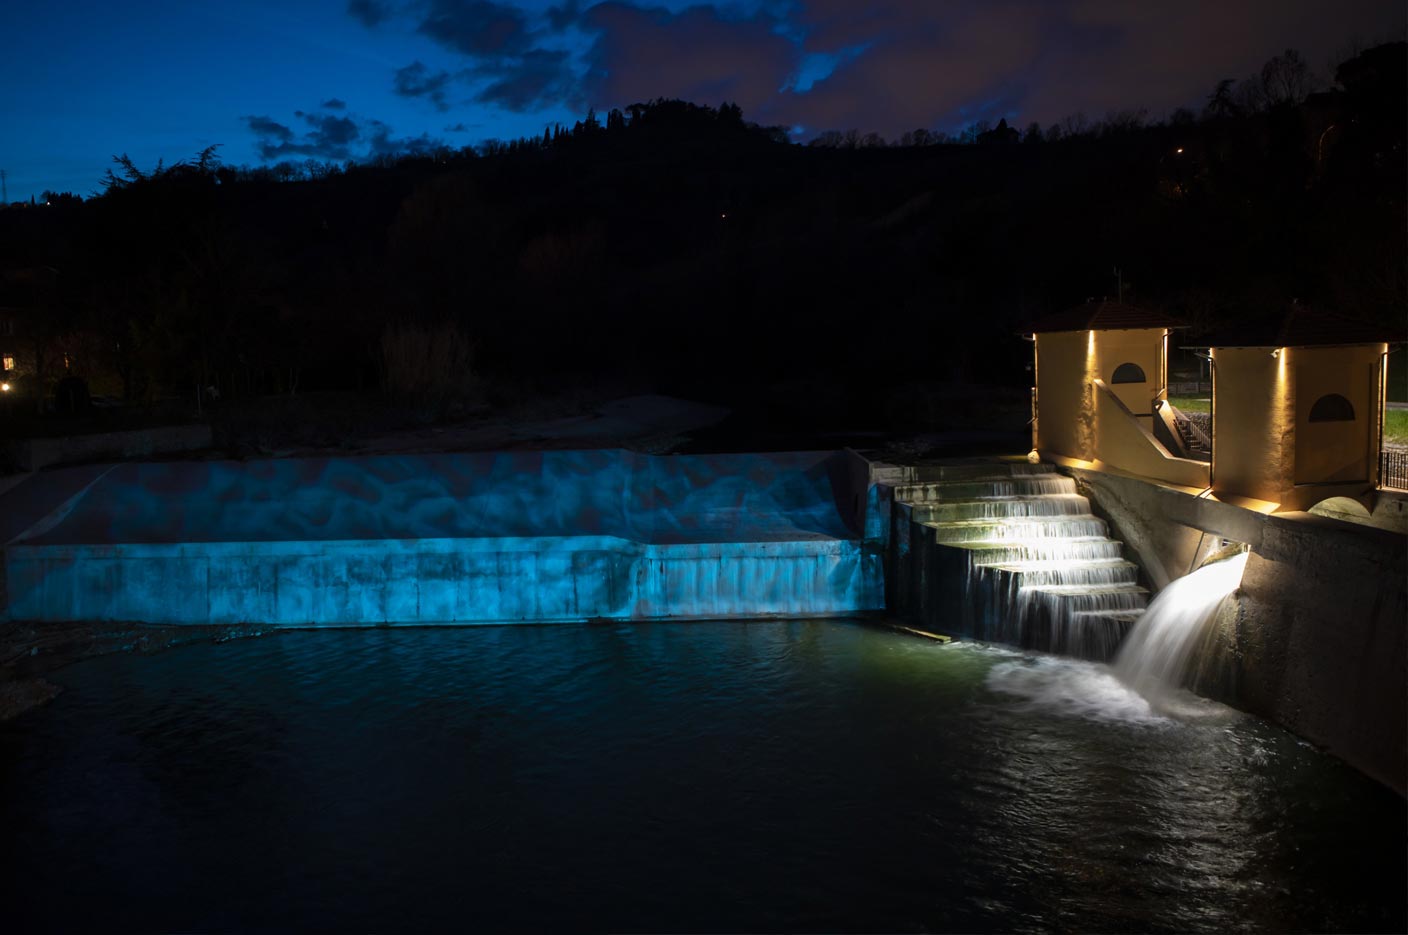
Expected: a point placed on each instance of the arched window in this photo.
(1127, 373)
(1332, 408)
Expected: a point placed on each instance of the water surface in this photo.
(680, 777)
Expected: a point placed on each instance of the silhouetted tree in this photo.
(1285, 79)
(1222, 101)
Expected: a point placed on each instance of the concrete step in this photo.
(1007, 551)
(986, 488)
(1021, 527)
(968, 470)
(992, 508)
(1085, 598)
(1096, 573)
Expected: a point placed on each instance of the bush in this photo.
(427, 364)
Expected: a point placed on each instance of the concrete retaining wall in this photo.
(1318, 638)
(36, 453)
(1319, 642)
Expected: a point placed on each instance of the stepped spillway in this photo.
(1034, 567)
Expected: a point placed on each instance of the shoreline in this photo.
(30, 652)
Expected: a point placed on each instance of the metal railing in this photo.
(1393, 468)
(1189, 388)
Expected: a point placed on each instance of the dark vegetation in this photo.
(679, 249)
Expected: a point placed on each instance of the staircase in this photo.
(1195, 442)
(1009, 552)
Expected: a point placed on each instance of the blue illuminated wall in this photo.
(453, 538)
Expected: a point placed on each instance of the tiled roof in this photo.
(1103, 315)
(1302, 326)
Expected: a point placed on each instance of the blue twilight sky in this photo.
(347, 79)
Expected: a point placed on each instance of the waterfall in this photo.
(1041, 570)
(1154, 657)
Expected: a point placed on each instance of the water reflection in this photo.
(686, 776)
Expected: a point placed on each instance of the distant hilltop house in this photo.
(1297, 404)
(22, 295)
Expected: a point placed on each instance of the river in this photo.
(803, 775)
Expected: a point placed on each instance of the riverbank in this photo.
(31, 652)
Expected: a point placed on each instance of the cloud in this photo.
(332, 137)
(382, 143)
(370, 12)
(927, 66)
(269, 129)
(702, 53)
(884, 65)
(477, 28)
(942, 65)
(416, 80)
(463, 127)
(538, 78)
(565, 16)
(334, 103)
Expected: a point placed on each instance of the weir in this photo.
(998, 549)
(1010, 552)
(448, 538)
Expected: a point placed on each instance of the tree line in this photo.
(680, 247)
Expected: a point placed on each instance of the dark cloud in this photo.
(944, 64)
(416, 80)
(382, 143)
(884, 65)
(539, 78)
(267, 129)
(463, 127)
(332, 137)
(334, 103)
(370, 12)
(565, 16)
(477, 28)
(701, 53)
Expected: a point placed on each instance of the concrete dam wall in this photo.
(442, 538)
(1316, 638)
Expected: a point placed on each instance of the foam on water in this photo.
(1071, 688)
(1089, 690)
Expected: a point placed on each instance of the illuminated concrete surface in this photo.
(450, 538)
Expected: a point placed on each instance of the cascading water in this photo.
(1155, 656)
(1042, 570)
(1144, 684)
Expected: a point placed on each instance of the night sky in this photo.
(350, 79)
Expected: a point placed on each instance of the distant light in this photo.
(723, 215)
(1179, 149)
(4, 387)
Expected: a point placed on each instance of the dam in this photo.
(527, 537)
(825, 772)
(1038, 556)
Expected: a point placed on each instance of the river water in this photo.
(678, 777)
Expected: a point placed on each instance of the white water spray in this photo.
(1154, 657)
